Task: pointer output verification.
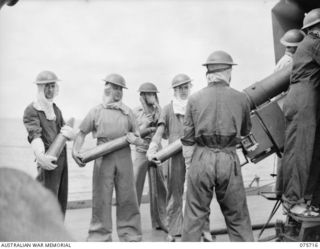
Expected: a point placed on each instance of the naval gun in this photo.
(267, 134)
(286, 15)
(268, 123)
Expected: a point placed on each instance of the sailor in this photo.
(170, 126)
(216, 118)
(107, 121)
(301, 109)
(147, 116)
(43, 121)
(290, 40)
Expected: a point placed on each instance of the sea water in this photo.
(15, 152)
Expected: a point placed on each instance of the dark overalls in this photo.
(157, 188)
(301, 157)
(176, 170)
(216, 117)
(114, 170)
(38, 126)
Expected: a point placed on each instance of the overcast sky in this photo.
(83, 41)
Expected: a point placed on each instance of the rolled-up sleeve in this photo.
(87, 124)
(188, 138)
(32, 123)
(134, 125)
(246, 122)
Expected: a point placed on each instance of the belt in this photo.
(217, 149)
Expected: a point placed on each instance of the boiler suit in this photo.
(301, 107)
(38, 126)
(284, 61)
(157, 188)
(112, 170)
(216, 117)
(176, 170)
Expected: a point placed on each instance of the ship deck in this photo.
(78, 220)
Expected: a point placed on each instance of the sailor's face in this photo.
(49, 90)
(150, 98)
(183, 91)
(117, 92)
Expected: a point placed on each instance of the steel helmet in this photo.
(148, 87)
(180, 79)
(46, 77)
(219, 58)
(116, 79)
(292, 38)
(311, 19)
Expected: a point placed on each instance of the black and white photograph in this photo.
(159, 121)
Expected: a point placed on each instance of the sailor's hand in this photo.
(77, 157)
(134, 139)
(151, 153)
(154, 160)
(46, 161)
(68, 132)
(152, 129)
(149, 118)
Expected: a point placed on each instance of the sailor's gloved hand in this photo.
(44, 161)
(68, 132)
(77, 158)
(134, 139)
(153, 148)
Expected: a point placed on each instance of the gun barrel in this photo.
(266, 89)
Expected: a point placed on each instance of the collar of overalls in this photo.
(218, 83)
